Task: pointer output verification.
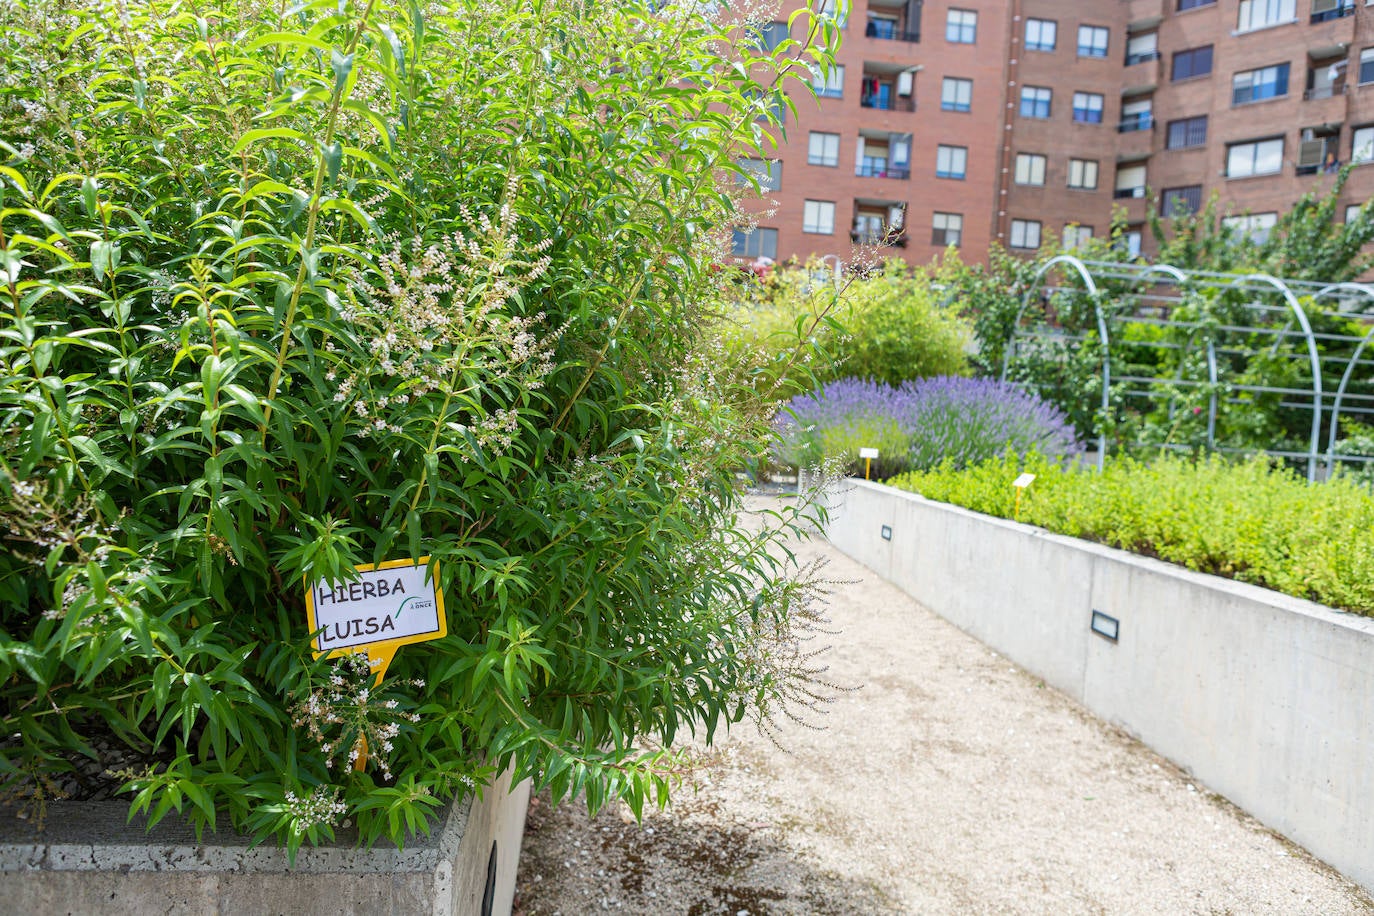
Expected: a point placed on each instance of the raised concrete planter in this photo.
(1266, 699)
(87, 860)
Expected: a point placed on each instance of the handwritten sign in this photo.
(389, 605)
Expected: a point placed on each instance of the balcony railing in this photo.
(888, 103)
(891, 237)
(1141, 57)
(1136, 122)
(1128, 193)
(889, 31)
(1339, 12)
(874, 170)
(1324, 92)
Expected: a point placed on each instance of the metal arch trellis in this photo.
(1151, 293)
(1091, 286)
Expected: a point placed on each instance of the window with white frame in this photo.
(1025, 233)
(828, 84)
(1137, 114)
(1092, 41)
(956, 94)
(961, 26)
(1083, 174)
(1254, 226)
(1362, 145)
(1352, 212)
(1259, 84)
(946, 229)
(1130, 241)
(951, 161)
(767, 172)
(1259, 14)
(1087, 107)
(1256, 157)
(755, 243)
(823, 149)
(1035, 102)
(1367, 66)
(1075, 236)
(818, 217)
(1041, 34)
(1030, 168)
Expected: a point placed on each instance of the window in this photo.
(961, 26)
(1193, 4)
(818, 217)
(772, 34)
(829, 85)
(1367, 66)
(1087, 108)
(1142, 48)
(956, 94)
(1092, 41)
(824, 149)
(1076, 236)
(1186, 132)
(1137, 115)
(1258, 157)
(755, 243)
(1025, 233)
(871, 159)
(1030, 168)
(1259, 14)
(838, 10)
(1181, 201)
(1035, 102)
(1083, 174)
(1326, 10)
(1362, 145)
(1352, 212)
(1041, 34)
(1130, 182)
(1191, 63)
(951, 161)
(946, 229)
(1257, 85)
(1130, 242)
(1254, 226)
(767, 172)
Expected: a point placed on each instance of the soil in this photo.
(951, 782)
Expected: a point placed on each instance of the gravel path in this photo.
(952, 782)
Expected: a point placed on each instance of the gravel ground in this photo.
(951, 782)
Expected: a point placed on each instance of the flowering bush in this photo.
(919, 424)
(289, 290)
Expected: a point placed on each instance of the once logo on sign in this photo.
(395, 602)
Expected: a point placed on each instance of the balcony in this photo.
(1142, 58)
(887, 30)
(1129, 193)
(1323, 92)
(887, 102)
(891, 238)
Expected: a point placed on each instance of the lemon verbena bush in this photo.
(286, 288)
(1255, 520)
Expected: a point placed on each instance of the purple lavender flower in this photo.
(919, 425)
(969, 420)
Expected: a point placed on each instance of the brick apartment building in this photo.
(1020, 121)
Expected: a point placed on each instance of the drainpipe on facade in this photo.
(1001, 219)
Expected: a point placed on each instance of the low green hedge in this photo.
(1251, 521)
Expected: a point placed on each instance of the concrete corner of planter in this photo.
(87, 859)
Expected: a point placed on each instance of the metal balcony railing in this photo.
(873, 170)
(1135, 122)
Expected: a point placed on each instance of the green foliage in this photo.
(888, 325)
(1254, 521)
(287, 290)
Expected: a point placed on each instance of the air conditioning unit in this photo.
(906, 83)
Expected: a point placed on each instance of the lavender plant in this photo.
(919, 424)
(285, 289)
(966, 421)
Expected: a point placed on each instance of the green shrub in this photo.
(1254, 521)
(288, 289)
(888, 326)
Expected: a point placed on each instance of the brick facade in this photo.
(1270, 135)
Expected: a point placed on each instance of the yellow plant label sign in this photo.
(389, 605)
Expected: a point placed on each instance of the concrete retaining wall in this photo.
(87, 860)
(1266, 699)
